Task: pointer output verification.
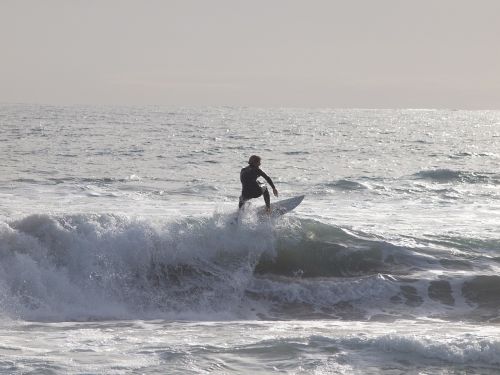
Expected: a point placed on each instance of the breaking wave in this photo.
(81, 267)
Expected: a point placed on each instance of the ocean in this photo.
(119, 253)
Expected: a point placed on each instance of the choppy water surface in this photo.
(118, 251)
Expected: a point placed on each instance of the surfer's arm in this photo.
(267, 178)
(269, 181)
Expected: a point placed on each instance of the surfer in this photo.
(251, 188)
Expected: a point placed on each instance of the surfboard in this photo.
(277, 209)
(282, 207)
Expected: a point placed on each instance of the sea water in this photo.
(119, 253)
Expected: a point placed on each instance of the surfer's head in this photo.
(254, 160)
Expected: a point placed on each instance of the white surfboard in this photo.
(277, 209)
(282, 207)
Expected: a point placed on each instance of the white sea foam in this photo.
(76, 267)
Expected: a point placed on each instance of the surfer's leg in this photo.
(267, 198)
(241, 202)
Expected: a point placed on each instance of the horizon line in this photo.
(199, 106)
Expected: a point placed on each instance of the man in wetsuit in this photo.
(251, 188)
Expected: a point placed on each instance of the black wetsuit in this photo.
(251, 187)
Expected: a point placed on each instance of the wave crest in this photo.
(77, 267)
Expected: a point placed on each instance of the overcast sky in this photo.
(271, 53)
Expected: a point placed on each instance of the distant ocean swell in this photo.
(451, 175)
(447, 184)
(81, 267)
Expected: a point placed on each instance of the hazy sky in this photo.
(352, 53)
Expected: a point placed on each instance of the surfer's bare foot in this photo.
(268, 210)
